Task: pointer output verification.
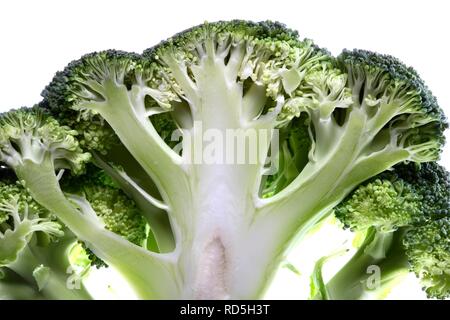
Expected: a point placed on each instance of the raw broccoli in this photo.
(185, 130)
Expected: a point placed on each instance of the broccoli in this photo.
(125, 151)
(405, 217)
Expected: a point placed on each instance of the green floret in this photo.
(34, 145)
(428, 251)
(384, 76)
(432, 182)
(264, 29)
(117, 211)
(407, 195)
(76, 83)
(295, 145)
(267, 54)
(30, 134)
(82, 75)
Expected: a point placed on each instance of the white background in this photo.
(38, 38)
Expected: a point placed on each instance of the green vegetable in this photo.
(119, 152)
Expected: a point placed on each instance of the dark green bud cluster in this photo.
(384, 204)
(387, 71)
(118, 212)
(73, 84)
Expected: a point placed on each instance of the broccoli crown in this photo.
(266, 54)
(237, 28)
(428, 251)
(71, 84)
(342, 120)
(271, 54)
(86, 81)
(30, 134)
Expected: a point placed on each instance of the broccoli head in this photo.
(191, 167)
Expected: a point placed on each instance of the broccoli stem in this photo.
(381, 252)
(56, 287)
(14, 287)
(150, 274)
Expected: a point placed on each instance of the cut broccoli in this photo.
(185, 216)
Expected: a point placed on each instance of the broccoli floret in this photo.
(406, 211)
(397, 101)
(118, 212)
(384, 204)
(408, 194)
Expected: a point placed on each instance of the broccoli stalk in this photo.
(41, 148)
